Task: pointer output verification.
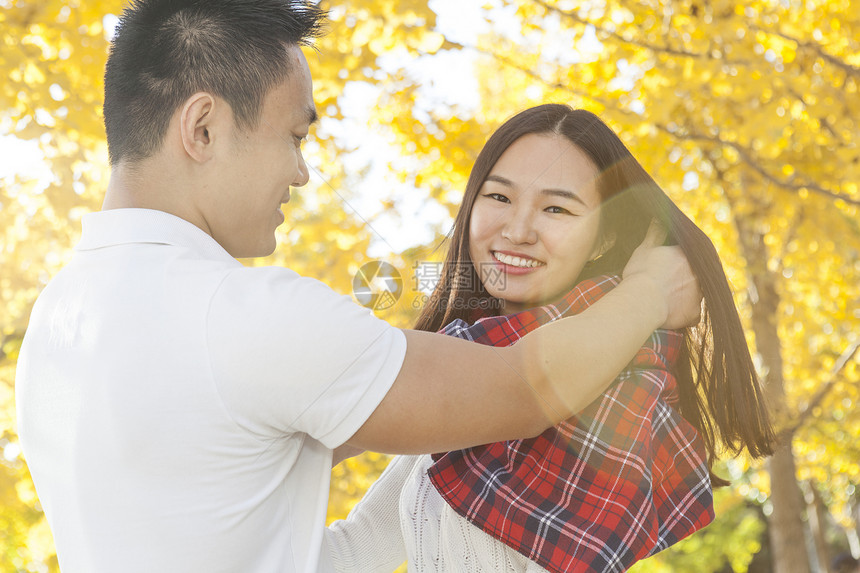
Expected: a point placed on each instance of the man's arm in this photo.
(452, 394)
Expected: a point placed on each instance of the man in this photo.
(178, 411)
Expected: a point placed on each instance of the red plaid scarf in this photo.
(622, 480)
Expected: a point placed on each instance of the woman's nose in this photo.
(519, 227)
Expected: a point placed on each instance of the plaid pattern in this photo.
(624, 479)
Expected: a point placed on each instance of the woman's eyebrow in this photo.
(500, 179)
(563, 193)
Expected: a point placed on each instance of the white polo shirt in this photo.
(177, 410)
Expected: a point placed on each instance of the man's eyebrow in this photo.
(563, 193)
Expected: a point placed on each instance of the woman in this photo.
(556, 202)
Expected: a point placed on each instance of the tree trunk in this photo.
(787, 536)
(787, 539)
(817, 519)
(853, 533)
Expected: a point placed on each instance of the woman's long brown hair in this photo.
(720, 394)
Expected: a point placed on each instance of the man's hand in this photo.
(669, 270)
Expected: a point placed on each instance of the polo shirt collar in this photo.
(127, 226)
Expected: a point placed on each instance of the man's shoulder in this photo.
(274, 281)
(277, 291)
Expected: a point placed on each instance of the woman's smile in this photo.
(535, 222)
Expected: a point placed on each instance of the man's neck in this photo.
(130, 186)
(157, 183)
(149, 184)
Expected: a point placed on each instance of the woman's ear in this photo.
(604, 243)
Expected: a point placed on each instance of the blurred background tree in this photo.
(746, 113)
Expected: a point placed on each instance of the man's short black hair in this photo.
(166, 50)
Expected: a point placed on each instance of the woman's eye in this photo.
(555, 209)
(497, 197)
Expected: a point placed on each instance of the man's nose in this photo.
(303, 176)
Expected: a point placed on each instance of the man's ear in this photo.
(196, 122)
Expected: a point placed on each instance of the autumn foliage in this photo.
(745, 112)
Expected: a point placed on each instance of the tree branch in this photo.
(551, 84)
(789, 184)
(817, 48)
(819, 396)
(822, 121)
(638, 43)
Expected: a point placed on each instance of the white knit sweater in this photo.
(403, 518)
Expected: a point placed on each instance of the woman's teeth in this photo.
(517, 261)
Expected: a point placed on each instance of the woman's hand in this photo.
(669, 270)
